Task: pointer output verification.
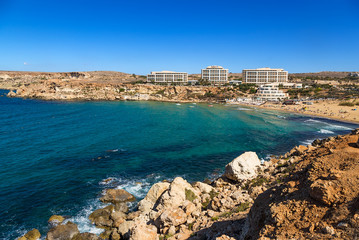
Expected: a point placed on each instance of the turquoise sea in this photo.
(55, 155)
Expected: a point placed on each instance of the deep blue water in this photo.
(54, 156)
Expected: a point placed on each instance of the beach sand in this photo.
(324, 108)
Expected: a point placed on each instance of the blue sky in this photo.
(136, 36)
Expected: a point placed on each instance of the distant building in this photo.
(168, 77)
(353, 74)
(264, 75)
(286, 85)
(270, 93)
(235, 82)
(192, 81)
(215, 75)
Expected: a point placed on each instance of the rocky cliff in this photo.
(57, 89)
(309, 193)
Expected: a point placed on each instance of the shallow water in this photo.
(55, 155)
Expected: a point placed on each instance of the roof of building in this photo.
(166, 72)
(264, 69)
(214, 66)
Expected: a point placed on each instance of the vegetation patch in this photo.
(348, 104)
(206, 203)
(213, 194)
(160, 92)
(243, 207)
(190, 196)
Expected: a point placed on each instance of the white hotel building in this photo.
(215, 75)
(270, 93)
(261, 76)
(168, 77)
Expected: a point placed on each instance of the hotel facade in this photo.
(261, 76)
(215, 75)
(270, 93)
(168, 77)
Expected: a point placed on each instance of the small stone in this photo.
(34, 234)
(117, 196)
(55, 220)
(172, 230)
(60, 232)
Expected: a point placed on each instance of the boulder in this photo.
(122, 207)
(11, 94)
(117, 196)
(152, 196)
(143, 231)
(297, 151)
(243, 167)
(118, 218)
(34, 234)
(173, 217)
(324, 191)
(55, 220)
(176, 194)
(63, 232)
(86, 236)
(102, 217)
(124, 228)
(203, 187)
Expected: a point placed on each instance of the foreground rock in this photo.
(11, 94)
(85, 236)
(152, 196)
(63, 232)
(309, 193)
(243, 167)
(317, 197)
(34, 234)
(55, 220)
(117, 196)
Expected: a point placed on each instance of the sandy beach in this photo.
(324, 108)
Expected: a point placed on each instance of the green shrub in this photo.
(206, 203)
(190, 196)
(190, 226)
(243, 207)
(213, 194)
(348, 104)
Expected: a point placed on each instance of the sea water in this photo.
(55, 156)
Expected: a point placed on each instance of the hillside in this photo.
(309, 193)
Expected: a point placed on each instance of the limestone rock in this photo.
(63, 232)
(116, 196)
(125, 227)
(144, 232)
(118, 218)
(243, 167)
(102, 217)
(55, 220)
(173, 217)
(34, 234)
(86, 236)
(203, 187)
(121, 207)
(176, 194)
(152, 196)
(298, 150)
(324, 191)
(11, 94)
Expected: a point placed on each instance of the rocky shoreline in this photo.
(84, 91)
(308, 193)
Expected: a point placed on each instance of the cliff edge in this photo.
(309, 193)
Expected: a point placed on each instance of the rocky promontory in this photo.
(72, 90)
(310, 192)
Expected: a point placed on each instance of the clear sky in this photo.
(139, 36)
